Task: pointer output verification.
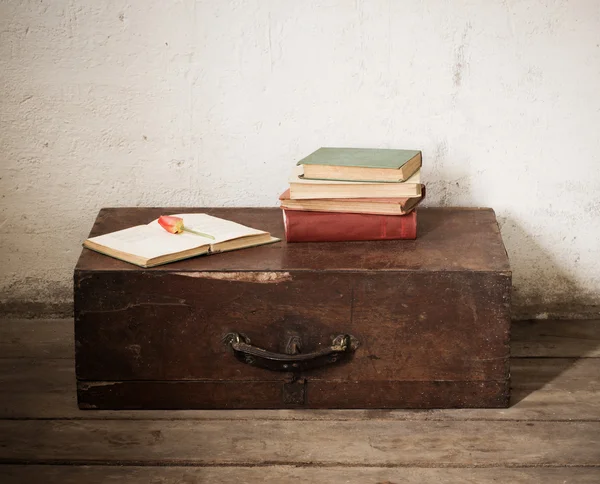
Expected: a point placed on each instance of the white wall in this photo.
(122, 103)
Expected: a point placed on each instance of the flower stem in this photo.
(208, 236)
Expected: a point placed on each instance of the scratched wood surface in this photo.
(283, 474)
(153, 338)
(467, 237)
(550, 433)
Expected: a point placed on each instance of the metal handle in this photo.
(341, 346)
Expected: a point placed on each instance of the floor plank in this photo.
(551, 338)
(299, 475)
(35, 338)
(551, 432)
(250, 442)
(543, 389)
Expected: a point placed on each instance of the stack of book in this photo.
(345, 194)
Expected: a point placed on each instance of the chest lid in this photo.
(449, 239)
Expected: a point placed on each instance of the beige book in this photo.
(151, 245)
(301, 188)
(377, 206)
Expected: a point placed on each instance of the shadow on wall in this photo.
(541, 288)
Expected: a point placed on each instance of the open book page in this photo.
(298, 172)
(150, 241)
(221, 229)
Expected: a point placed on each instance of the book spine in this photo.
(301, 226)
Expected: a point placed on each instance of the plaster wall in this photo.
(185, 102)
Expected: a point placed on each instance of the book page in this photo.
(219, 228)
(150, 241)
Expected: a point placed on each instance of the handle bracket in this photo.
(341, 347)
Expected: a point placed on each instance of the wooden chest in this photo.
(388, 324)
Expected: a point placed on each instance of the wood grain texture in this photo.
(395, 443)
(173, 395)
(277, 474)
(556, 338)
(136, 329)
(36, 338)
(549, 434)
(448, 239)
(410, 327)
(53, 338)
(543, 389)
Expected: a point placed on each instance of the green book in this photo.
(361, 164)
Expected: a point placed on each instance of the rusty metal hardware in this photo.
(341, 347)
(294, 393)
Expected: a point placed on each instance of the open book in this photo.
(151, 245)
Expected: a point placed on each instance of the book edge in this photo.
(416, 153)
(298, 178)
(333, 193)
(142, 261)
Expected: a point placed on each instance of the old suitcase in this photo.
(387, 324)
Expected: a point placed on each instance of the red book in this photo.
(340, 227)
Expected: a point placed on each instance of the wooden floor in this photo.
(551, 432)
